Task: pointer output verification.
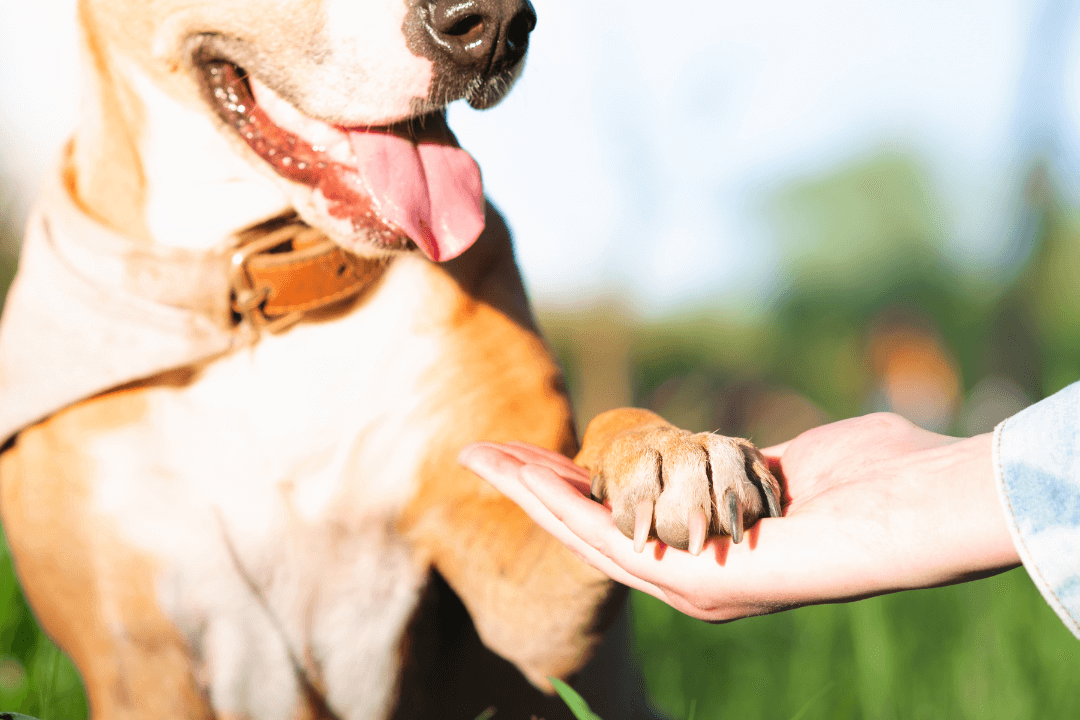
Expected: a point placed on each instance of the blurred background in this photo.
(755, 218)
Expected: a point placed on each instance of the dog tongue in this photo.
(431, 190)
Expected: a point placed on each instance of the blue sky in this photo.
(633, 153)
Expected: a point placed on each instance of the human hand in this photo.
(872, 505)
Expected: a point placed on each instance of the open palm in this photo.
(872, 505)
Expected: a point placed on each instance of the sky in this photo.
(632, 158)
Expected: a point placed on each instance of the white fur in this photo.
(263, 453)
(283, 466)
(204, 185)
(201, 188)
(373, 71)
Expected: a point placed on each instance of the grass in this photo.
(990, 649)
(575, 702)
(35, 677)
(984, 650)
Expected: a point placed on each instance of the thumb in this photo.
(772, 456)
(774, 453)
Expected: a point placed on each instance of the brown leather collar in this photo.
(280, 276)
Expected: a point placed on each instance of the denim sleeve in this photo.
(1037, 464)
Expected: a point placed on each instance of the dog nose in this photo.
(485, 34)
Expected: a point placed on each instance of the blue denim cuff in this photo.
(1037, 465)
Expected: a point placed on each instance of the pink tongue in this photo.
(431, 191)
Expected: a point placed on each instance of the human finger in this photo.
(528, 454)
(668, 569)
(493, 463)
(535, 455)
(775, 452)
(540, 474)
(789, 561)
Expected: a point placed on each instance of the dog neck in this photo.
(156, 169)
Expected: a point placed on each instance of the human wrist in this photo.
(968, 534)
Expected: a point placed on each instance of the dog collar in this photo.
(286, 273)
(91, 310)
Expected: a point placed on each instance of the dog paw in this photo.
(683, 487)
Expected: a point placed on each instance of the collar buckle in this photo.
(280, 278)
(248, 296)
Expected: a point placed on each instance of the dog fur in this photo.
(283, 531)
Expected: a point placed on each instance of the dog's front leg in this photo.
(94, 593)
(669, 483)
(531, 600)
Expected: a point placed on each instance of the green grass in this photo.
(35, 677)
(575, 702)
(985, 650)
(990, 649)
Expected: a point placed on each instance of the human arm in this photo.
(872, 505)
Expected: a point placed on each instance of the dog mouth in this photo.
(399, 186)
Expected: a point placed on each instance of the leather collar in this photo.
(281, 273)
(91, 310)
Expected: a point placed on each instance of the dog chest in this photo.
(267, 492)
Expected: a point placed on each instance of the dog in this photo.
(261, 306)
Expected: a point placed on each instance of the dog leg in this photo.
(532, 601)
(678, 486)
(89, 590)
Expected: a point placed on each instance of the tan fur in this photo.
(109, 184)
(206, 543)
(88, 588)
(504, 567)
(636, 456)
(531, 600)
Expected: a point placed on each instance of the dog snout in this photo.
(485, 35)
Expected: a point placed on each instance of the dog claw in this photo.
(734, 511)
(771, 500)
(642, 524)
(699, 526)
